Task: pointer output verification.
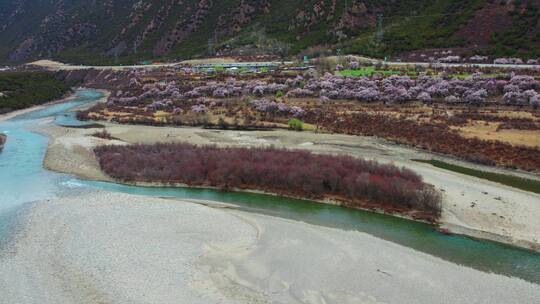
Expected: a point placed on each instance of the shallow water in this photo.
(22, 176)
(22, 180)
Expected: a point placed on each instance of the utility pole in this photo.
(212, 43)
(210, 46)
(380, 30)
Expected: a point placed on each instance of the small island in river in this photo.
(3, 139)
(348, 180)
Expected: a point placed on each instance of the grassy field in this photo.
(508, 180)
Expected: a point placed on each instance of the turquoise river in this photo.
(23, 180)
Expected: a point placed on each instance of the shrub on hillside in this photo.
(296, 124)
(103, 135)
(25, 89)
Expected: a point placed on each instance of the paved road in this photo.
(57, 66)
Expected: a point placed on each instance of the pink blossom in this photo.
(324, 99)
(424, 96)
(300, 93)
(198, 108)
(451, 99)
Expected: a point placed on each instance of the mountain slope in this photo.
(108, 31)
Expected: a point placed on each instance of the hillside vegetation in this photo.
(124, 31)
(21, 90)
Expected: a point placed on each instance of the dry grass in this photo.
(489, 132)
(517, 114)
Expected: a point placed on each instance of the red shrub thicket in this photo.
(433, 137)
(356, 182)
(103, 135)
(3, 139)
(517, 123)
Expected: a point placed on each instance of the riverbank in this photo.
(471, 206)
(210, 253)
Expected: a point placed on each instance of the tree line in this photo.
(21, 90)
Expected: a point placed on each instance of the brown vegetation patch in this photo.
(498, 132)
(356, 182)
(3, 139)
(434, 137)
(103, 135)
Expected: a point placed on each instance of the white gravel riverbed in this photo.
(101, 247)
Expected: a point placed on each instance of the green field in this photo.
(508, 180)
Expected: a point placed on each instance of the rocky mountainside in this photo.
(120, 31)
